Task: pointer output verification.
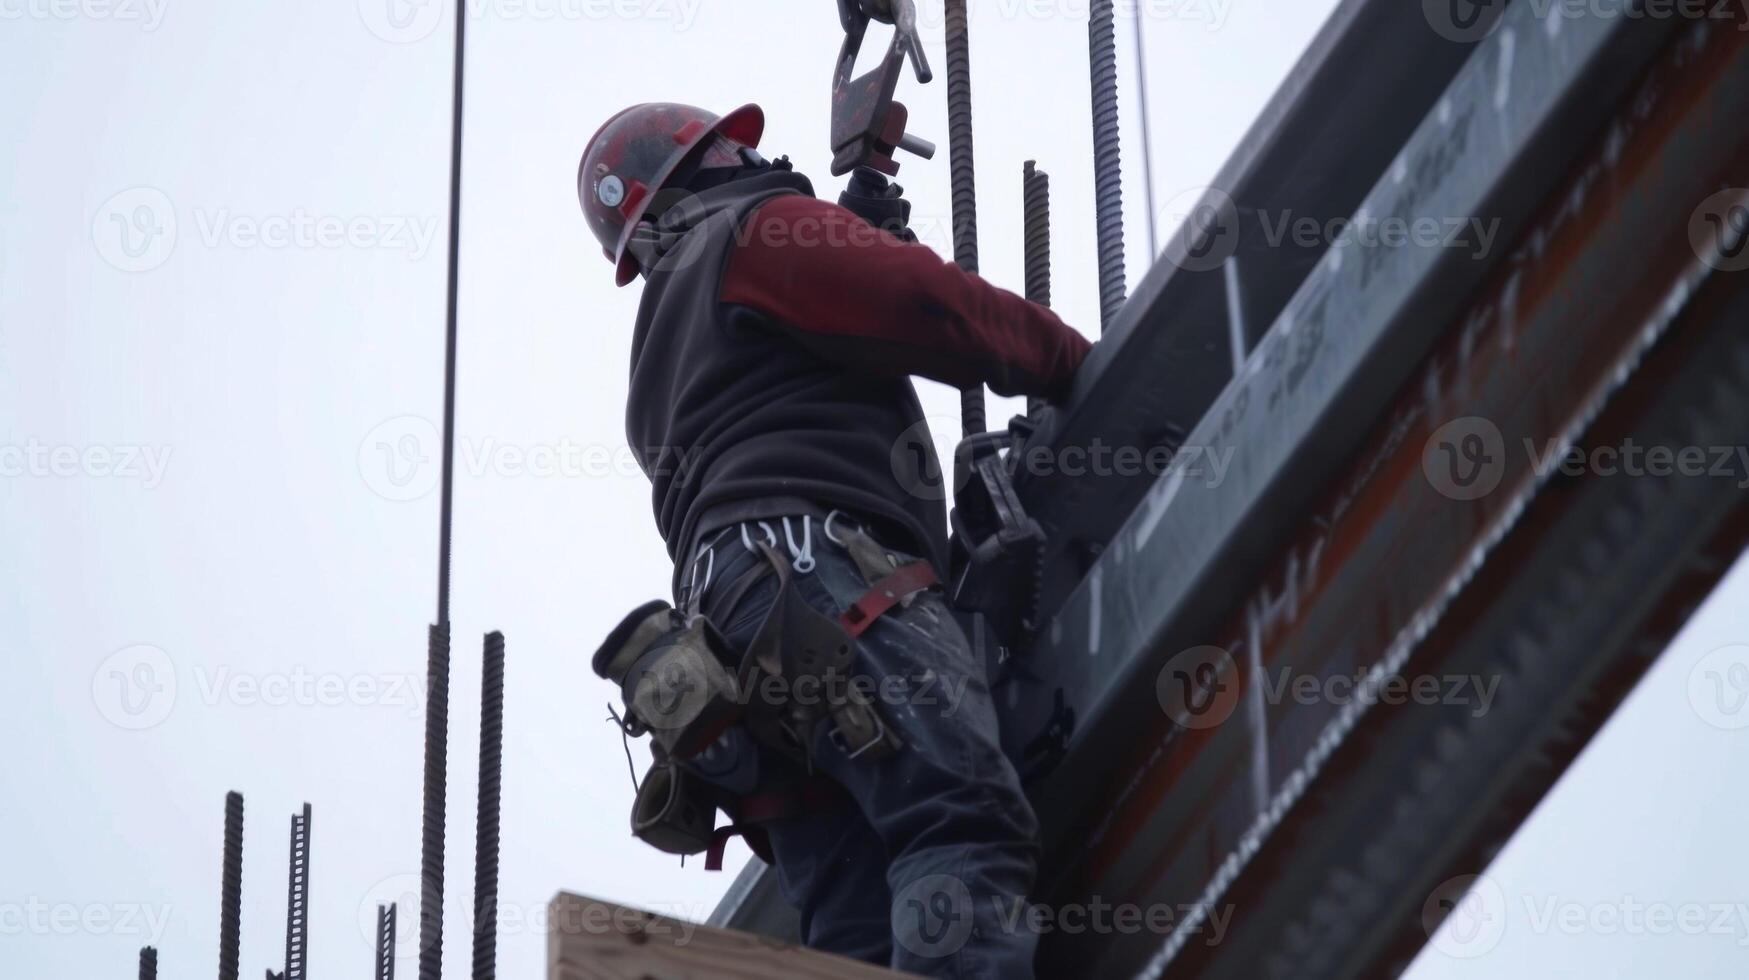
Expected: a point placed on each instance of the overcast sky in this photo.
(221, 305)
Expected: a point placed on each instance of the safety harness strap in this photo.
(885, 594)
(816, 794)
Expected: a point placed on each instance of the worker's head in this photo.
(645, 157)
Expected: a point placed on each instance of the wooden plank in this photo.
(589, 939)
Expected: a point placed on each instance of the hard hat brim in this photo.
(745, 125)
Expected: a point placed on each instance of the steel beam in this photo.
(1324, 829)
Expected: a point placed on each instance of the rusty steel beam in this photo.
(1320, 830)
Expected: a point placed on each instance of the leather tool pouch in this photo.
(675, 811)
(673, 673)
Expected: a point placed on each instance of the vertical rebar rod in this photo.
(297, 896)
(486, 819)
(385, 967)
(437, 657)
(1107, 163)
(963, 177)
(1147, 140)
(446, 498)
(231, 888)
(436, 785)
(148, 963)
(1035, 192)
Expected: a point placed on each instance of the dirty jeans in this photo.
(927, 869)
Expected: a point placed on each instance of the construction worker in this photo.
(771, 407)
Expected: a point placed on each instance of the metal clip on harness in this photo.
(991, 525)
(867, 125)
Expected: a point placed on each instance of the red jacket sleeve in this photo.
(865, 298)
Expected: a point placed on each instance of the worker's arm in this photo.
(864, 298)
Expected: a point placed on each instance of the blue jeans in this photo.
(928, 868)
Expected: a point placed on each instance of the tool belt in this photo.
(684, 686)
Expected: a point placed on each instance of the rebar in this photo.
(231, 889)
(385, 966)
(963, 178)
(486, 819)
(1107, 163)
(436, 784)
(1035, 192)
(297, 898)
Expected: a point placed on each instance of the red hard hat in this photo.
(637, 151)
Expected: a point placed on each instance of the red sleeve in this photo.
(865, 298)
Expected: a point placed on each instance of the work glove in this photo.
(874, 199)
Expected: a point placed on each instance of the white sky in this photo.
(250, 540)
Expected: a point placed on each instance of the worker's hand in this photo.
(871, 197)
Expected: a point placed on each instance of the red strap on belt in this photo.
(885, 594)
(817, 794)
